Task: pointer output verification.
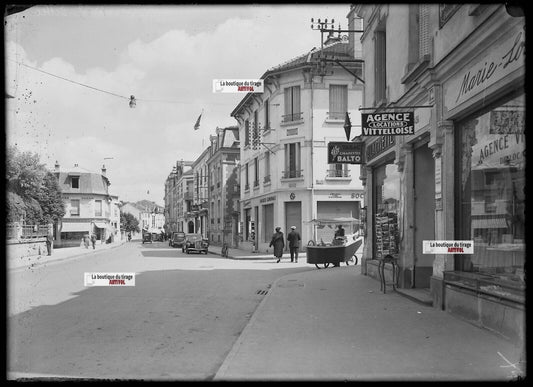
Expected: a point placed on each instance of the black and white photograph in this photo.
(297, 192)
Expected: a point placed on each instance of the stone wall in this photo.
(26, 251)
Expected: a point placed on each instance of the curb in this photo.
(219, 375)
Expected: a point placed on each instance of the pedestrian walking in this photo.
(129, 236)
(278, 243)
(49, 243)
(294, 243)
(85, 241)
(93, 240)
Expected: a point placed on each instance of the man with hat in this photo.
(294, 243)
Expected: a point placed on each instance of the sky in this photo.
(72, 69)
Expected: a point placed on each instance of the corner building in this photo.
(285, 177)
(461, 176)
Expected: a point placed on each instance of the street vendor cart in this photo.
(340, 249)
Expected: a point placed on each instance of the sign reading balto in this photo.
(387, 124)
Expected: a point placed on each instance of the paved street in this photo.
(178, 322)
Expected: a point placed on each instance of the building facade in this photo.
(197, 216)
(179, 198)
(285, 176)
(460, 71)
(90, 208)
(224, 187)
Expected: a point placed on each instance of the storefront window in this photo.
(387, 210)
(491, 164)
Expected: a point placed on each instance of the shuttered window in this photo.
(423, 30)
(380, 68)
(292, 104)
(338, 101)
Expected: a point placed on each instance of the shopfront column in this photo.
(408, 251)
(369, 203)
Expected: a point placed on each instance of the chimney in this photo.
(56, 166)
(75, 165)
(103, 170)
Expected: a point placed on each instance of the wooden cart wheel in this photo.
(353, 259)
(311, 243)
(326, 265)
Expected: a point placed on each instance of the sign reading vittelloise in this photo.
(387, 124)
(345, 153)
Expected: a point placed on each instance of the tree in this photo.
(128, 222)
(33, 192)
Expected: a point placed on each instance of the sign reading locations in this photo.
(109, 279)
(387, 124)
(448, 247)
(345, 153)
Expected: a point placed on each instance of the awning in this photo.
(100, 224)
(489, 223)
(75, 227)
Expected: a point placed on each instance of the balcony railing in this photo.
(292, 117)
(256, 183)
(338, 173)
(266, 179)
(293, 174)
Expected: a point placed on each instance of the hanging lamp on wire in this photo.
(133, 102)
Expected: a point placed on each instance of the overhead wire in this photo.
(105, 91)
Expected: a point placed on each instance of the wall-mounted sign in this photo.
(376, 148)
(292, 196)
(267, 199)
(387, 124)
(345, 152)
(501, 59)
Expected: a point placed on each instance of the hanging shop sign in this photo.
(345, 152)
(388, 124)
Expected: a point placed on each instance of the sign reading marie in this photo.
(387, 124)
(499, 61)
(345, 152)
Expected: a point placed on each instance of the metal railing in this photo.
(14, 231)
(338, 173)
(292, 174)
(292, 117)
(336, 115)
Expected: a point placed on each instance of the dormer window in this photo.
(75, 181)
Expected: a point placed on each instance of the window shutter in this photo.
(423, 34)
(288, 101)
(295, 100)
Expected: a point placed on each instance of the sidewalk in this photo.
(60, 254)
(335, 324)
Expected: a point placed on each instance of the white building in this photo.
(287, 181)
(90, 208)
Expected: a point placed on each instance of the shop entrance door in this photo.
(424, 193)
(293, 217)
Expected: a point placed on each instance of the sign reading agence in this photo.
(387, 124)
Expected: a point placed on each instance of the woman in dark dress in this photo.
(278, 243)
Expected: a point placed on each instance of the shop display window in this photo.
(387, 209)
(491, 165)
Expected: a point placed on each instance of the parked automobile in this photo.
(177, 239)
(195, 242)
(147, 237)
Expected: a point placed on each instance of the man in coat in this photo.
(278, 242)
(294, 243)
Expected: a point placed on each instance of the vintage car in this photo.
(195, 242)
(147, 237)
(177, 239)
